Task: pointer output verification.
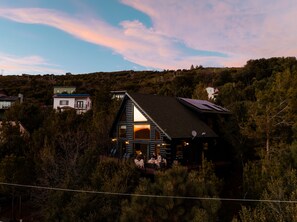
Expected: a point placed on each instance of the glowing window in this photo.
(122, 131)
(138, 117)
(142, 131)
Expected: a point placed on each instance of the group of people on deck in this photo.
(155, 161)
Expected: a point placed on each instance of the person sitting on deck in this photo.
(152, 162)
(153, 159)
(161, 161)
(139, 162)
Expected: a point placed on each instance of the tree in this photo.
(200, 92)
(228, 95)
(15, 170)
(29, 114)
(183, 86)
(278, 187)
(271, 117)
(180, 183)
(12, 140)
(223, 77)
(110, 176)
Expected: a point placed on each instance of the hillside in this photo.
(65, 150)
(40, 87)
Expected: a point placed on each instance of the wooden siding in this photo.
(153, 144)
(129, 132)
(186, 150)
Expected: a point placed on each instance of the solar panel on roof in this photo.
(219, 107)
(222, 108)
(197, 103)
(213, 107)
(204, 105)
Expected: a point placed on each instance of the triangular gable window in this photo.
(138, 116)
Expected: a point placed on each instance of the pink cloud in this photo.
(133, 41)
(10, 64)
(242, 30)
(250, 28)
(74, 26)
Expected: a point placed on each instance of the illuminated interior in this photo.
(142, 131)
(122, 131)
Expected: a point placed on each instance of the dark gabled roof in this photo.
(71, 95)
(58, 87)
(8, 98)
(172, 117)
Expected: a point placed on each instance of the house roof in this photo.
(8, 98)
(64, 87)
(71, 96)
(171, 116)
(204, 106)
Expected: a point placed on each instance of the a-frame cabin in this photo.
(179, 129)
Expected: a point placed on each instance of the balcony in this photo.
(5, 106)
(81, 107)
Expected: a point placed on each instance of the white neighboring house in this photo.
(212, 92)
(7, 101)
(80, 102)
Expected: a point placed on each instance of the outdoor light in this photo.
(113, 139)
(205, 146)
(127, 142)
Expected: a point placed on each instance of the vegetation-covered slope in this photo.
(66, 150)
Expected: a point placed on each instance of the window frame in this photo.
(138, 116)
(122, 134)
(61, 102)
(147, 127)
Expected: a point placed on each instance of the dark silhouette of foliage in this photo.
(65, 149)
(180, 183)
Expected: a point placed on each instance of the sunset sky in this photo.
(83, 36)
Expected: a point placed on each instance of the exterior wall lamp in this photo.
(186, 144)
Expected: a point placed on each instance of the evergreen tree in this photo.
(176, 182)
